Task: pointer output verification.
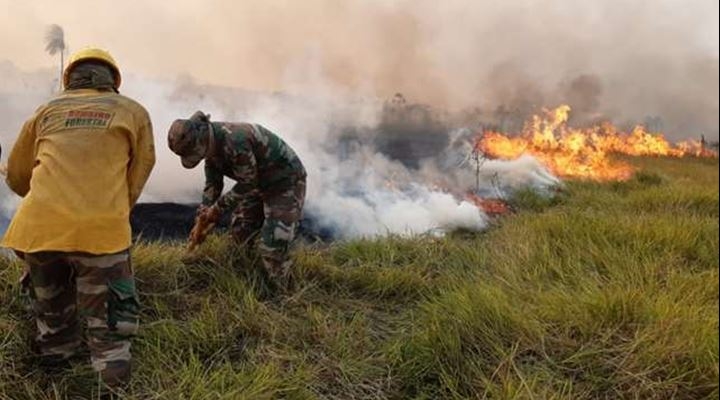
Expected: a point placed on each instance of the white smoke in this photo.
(354, 190)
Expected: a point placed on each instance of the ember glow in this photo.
(491, 207)
(583, 152)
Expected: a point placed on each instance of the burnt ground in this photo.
(157, 221)
(173, 221)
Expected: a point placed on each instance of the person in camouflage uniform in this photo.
(80, 164)
(269, 192)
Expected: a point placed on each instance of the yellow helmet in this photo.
(92, 53)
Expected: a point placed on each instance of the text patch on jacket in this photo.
(87, 119)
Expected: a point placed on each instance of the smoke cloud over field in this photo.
(318, 72)
(354, 189)
(625, 60)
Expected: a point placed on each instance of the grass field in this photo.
(609, 291)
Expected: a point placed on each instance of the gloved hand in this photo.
(205, 221)
(209, 214)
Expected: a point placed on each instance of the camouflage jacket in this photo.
(257, 159)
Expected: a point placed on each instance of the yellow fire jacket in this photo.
(80, 163)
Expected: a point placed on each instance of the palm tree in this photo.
(55, 43)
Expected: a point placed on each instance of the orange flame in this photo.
(492, 207)
(583, 153)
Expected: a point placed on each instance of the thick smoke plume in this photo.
(629, 61)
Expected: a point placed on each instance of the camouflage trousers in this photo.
(99, 289)
(272, 220)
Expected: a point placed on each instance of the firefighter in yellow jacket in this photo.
(80, 163)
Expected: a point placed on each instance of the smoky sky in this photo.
(627, 60)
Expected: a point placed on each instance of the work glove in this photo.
(205, 220)
(209, 214)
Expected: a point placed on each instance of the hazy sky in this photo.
(648, 55)
(250, 43)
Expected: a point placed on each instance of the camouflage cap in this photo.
(186, 138)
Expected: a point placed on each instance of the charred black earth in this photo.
(173, 221)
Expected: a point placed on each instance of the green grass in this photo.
(608, 291)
